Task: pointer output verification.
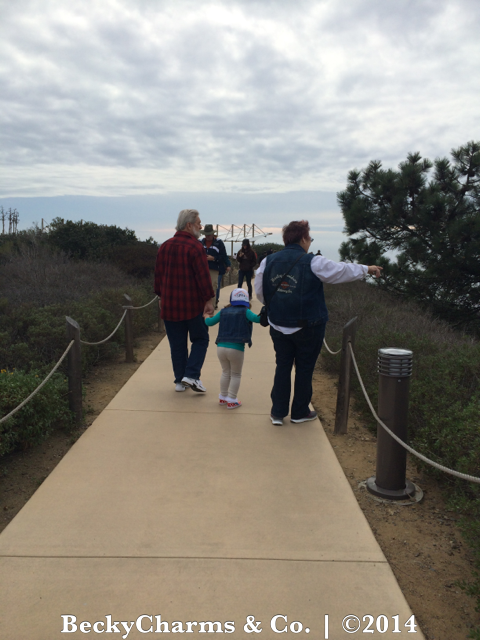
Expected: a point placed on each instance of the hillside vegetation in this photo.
(81, 270)
(444, 416)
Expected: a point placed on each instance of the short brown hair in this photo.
(294, 231)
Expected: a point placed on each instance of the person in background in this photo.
(297, 315)
(265, 254)
(218, 260)
(247, 259)
(183, 284)
(234, 331)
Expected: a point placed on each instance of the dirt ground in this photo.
(421, 541)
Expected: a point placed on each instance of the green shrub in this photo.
(34, 337)
(88, 240)
(40, 287)
(34, 422)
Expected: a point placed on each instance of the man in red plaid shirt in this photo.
(183, 283)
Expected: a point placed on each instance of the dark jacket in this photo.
(247, 260)
(234, 326)
(299, 301)
(218, 251)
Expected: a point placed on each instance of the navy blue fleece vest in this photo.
(299, 300)
(234, 326)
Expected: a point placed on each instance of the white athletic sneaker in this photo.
(196, 385)
(180, 387)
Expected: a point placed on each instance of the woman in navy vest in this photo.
(290, 283)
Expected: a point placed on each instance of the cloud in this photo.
(121, 97)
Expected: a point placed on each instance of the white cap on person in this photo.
(239, 297)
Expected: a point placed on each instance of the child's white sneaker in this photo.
(233, 404)
(222, 401)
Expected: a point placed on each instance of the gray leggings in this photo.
(232, 363)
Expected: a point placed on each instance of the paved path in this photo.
(172, 506)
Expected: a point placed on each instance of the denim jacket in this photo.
(234, 326)
(299, 301)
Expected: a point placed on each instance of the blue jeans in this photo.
(302, 348)
(248, 275)
(185, 365)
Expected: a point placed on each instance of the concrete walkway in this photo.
(172, 506)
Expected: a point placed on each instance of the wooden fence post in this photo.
(343, 395)
(128, 330)
(74, 362)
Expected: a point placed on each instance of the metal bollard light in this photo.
(395, 370)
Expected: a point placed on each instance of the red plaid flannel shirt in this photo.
(182, 277)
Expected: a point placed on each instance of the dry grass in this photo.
(42, 277)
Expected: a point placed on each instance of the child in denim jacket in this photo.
(235, 330)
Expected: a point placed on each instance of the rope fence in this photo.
(74, 377)
(457, 474)
(43, 383)
(343, 398)
(74, 360)
(146, 305)
(92, 344)
(334, 353)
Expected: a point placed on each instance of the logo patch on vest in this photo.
(287, 285)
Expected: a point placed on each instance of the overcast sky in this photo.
(125, 111)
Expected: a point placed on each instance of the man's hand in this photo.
(228, 269)
(375, 271)
(211, 258)
(208, 310)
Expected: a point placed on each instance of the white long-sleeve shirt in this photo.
(326, 270)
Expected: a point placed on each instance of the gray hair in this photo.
(184, 217)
